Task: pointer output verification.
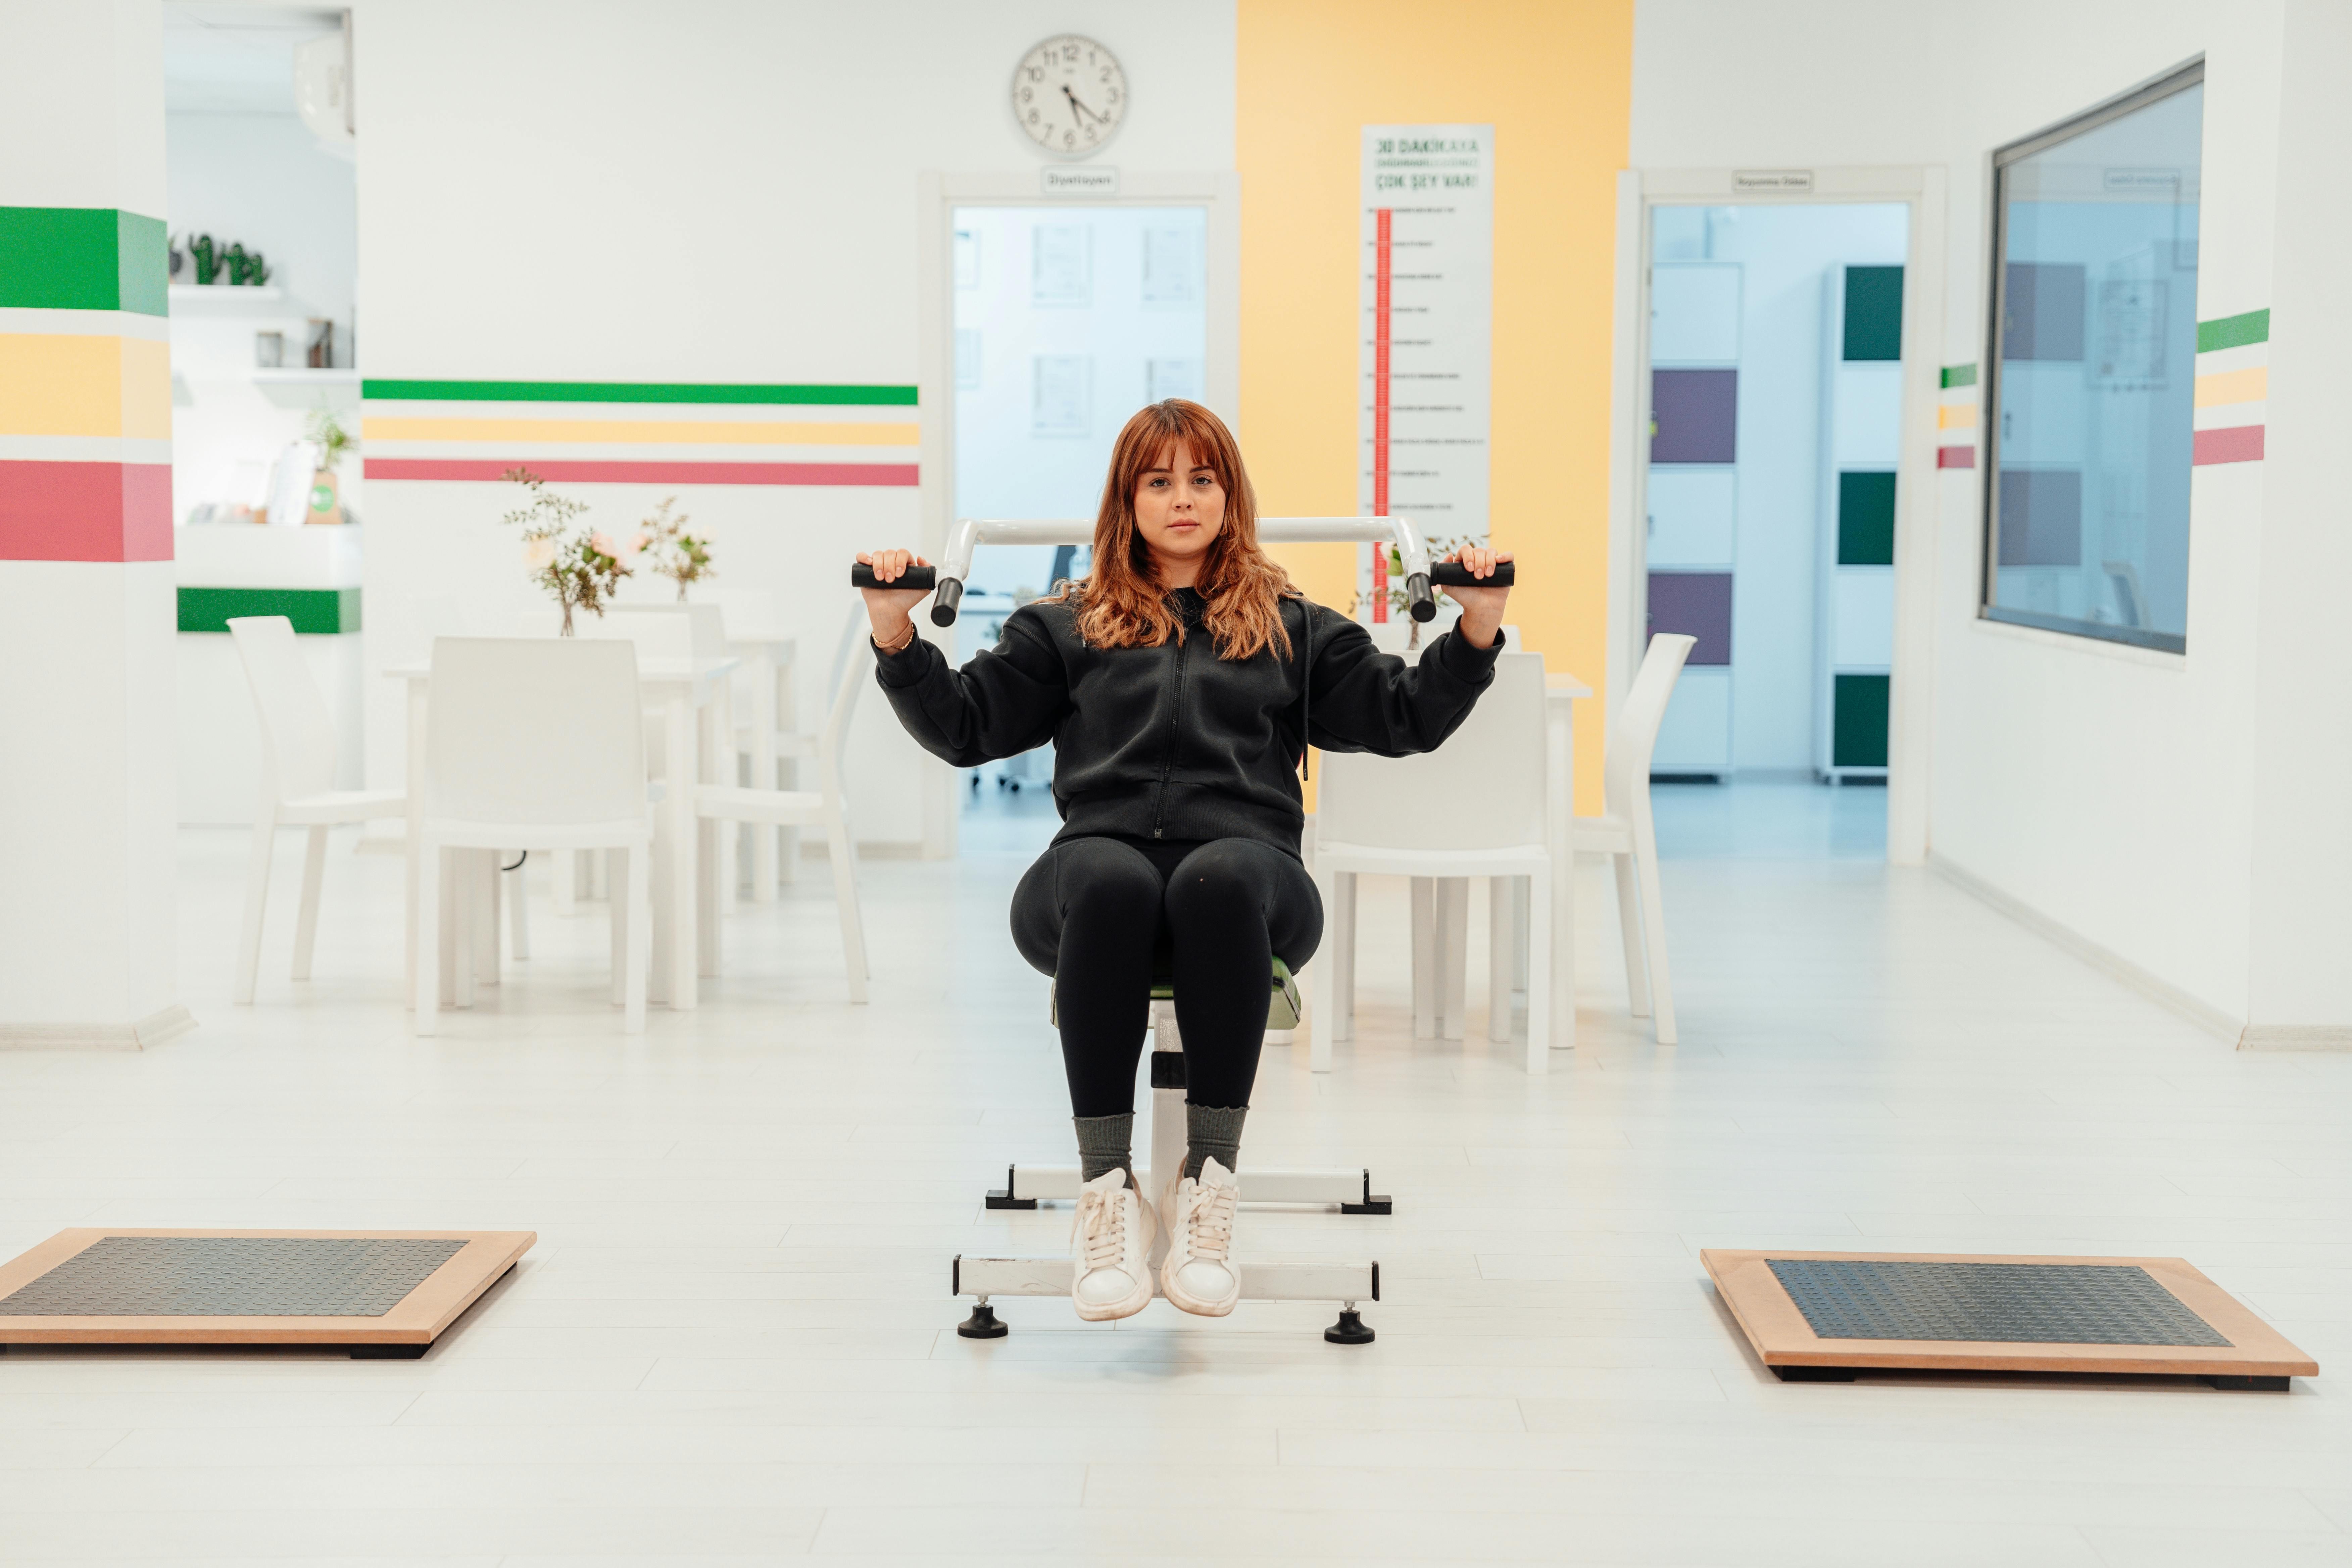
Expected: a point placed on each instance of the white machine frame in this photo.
(1347, 1282)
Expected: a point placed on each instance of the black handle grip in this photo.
(1454, 574)
(1419, 602)
(944, 608)
(925, 578)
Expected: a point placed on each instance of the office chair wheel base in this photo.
(982, 1324)
(1350, 1330)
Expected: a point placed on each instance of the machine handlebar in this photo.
(946, 580)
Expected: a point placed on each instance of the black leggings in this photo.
(1104, 915)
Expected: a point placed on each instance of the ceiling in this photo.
(236, 59)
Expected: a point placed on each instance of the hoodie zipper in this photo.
(1175, 726)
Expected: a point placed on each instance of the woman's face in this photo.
(1180, 506)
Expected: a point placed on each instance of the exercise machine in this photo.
(1348, 1188)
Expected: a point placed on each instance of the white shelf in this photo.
(247, 294)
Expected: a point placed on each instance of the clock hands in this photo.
(1076, 108)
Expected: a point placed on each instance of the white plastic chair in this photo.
(826, 806)
(298, 775)
(536, 741)
(794, 746)
(1473, 807)
(1626, 834)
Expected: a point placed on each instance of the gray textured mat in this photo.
(2025, 1303)
(231, 1276)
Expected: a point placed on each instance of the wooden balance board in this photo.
(1819, 1316)
(379, 1293)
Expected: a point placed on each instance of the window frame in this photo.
(2178, 79)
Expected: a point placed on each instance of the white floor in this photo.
(734, 1341)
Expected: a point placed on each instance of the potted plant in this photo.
(678, 554)
(327, 433)
(579, 566)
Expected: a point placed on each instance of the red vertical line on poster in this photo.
(1384, 219)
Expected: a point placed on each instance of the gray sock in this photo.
(1209, 1130)
(1104, 1143)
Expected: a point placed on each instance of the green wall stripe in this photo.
(315, 612)
(630, 391)
(2233, 331)
(82, 258)
(1960, 376)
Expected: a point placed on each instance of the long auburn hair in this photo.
(1121, 602)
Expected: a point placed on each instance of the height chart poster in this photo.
(1428, 313)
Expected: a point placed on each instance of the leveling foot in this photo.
(1350, 1330)
(983, 1323)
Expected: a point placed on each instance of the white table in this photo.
(766, 656)
(686, 847)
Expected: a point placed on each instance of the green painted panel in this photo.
(315, 612)
(630, 391)
(81, 259)
(1858, 722)
(1866, 514)
(1874, 313)
(142, 254)
(2233, 331)
(1960, 376)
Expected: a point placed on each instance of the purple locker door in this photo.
(1695, 414)
(1694, 604)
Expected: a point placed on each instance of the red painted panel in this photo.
(644, 473)
(1956, 457)
(85, 511)
(2239, 444)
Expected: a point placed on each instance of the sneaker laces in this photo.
(1212, 1223)
(1102, 1222)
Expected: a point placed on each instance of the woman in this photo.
(1175, 685)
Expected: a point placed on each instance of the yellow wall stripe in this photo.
(2233, 386)
(62, 385)
(1956, 416)
(704, 432)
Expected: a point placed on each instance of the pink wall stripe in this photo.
(1956, 457)
(646, 473)
(85, 511)
(2239, 444)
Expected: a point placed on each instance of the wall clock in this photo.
(1069, 96)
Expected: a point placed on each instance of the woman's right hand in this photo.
(890, 611)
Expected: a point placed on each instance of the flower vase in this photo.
(567, 619)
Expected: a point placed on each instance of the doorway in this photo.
(1058, 320)
(1777, 382)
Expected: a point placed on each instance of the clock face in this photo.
(1069, 95)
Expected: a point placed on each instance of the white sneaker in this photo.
(1199, 1274)
(1110, 1243)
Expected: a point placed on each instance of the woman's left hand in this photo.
(1481, 608)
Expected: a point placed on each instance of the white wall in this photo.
(2111, 790)
(87, 887)
(712, 190)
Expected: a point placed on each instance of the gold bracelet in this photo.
(904, 643)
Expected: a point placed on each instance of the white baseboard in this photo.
(152, 1030)
(2295, 1037)
(2163, 993)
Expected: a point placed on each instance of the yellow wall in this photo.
(1555, 80)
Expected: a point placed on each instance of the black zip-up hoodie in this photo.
(1173, 742)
